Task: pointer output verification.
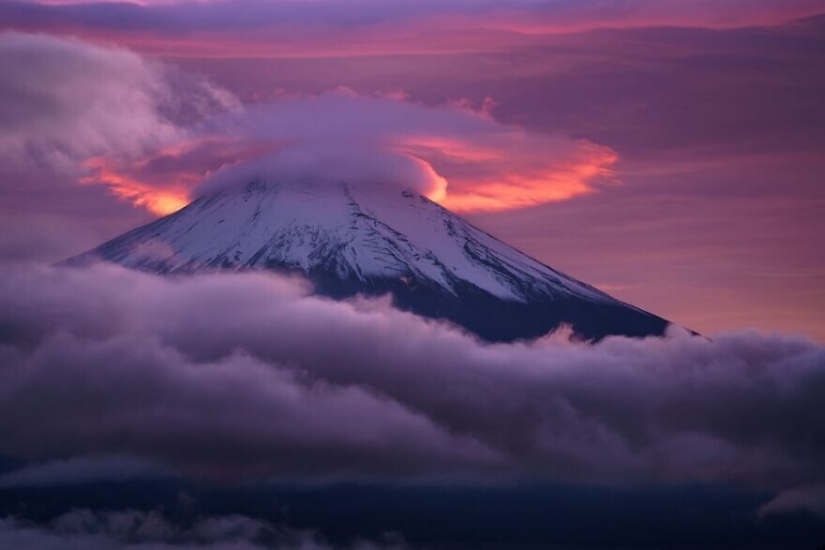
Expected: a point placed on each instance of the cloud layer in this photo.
(247, 376)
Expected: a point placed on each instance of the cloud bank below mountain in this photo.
(246, 376)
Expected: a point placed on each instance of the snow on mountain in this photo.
(376, 239)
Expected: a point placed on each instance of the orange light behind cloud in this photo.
(515, 173)
(158, 201)
(500, 178)
(165, 192)
(497, 191)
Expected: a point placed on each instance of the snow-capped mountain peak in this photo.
(349, 238)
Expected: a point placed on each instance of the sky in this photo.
(668, 152)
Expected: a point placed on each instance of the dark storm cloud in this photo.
(245, 375)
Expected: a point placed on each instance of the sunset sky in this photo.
(668, 152)
(313, 357)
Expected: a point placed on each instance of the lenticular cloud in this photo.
(327, 163)
(246, 375)
(480, 163)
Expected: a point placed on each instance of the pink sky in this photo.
(669, 152)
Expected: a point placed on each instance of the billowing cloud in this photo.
(64, 101)
(246, 375)
(70, 109)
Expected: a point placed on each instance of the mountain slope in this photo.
(350, 239)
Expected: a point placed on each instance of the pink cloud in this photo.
(64, 100)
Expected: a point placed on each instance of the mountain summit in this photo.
(373, 240)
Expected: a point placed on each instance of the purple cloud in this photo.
(65, 101)
(246, 375)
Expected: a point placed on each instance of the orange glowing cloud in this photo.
(507, 191)
(161, 182)
(458, 156)
(514, 170)
(157, 201)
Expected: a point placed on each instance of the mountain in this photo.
(350, 239)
